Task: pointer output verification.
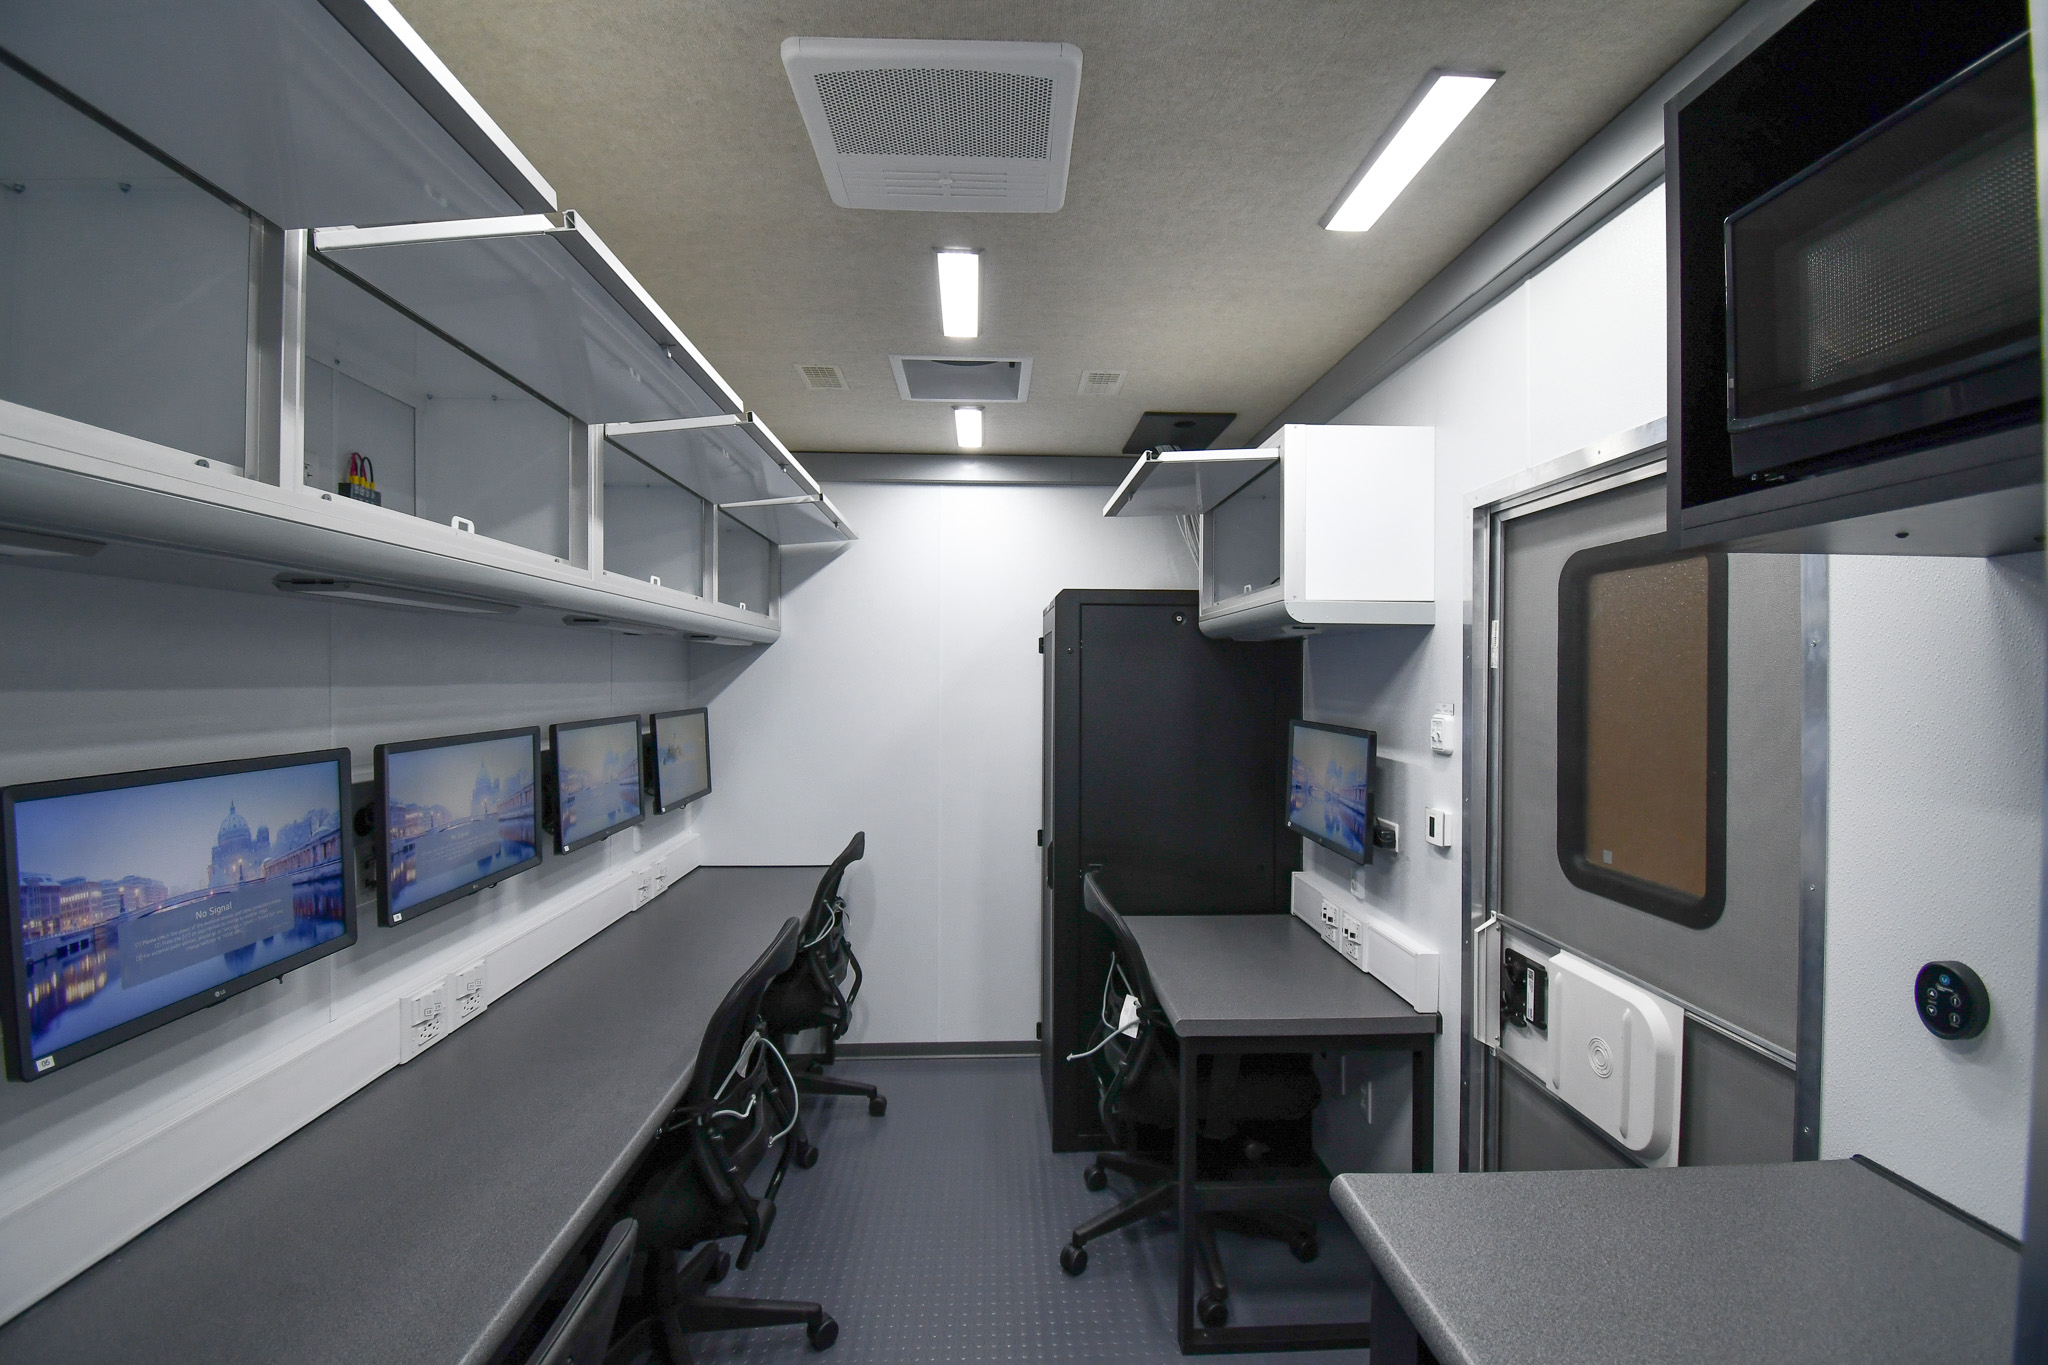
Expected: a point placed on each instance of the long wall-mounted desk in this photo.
(418, 1220)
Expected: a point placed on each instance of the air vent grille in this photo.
(914, 111)
(1101, 383)
(822, 377)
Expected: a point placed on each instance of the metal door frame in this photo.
(1625, 458)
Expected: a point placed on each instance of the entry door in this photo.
(1649, 808)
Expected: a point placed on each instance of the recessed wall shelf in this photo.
(1327, 526)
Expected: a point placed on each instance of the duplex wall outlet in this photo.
(465, 993)
(422, 1020)
(643, 887)
(1351, 939)
(1328, 928)
(1443, 729)
(661, 876)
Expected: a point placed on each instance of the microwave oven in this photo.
(1886, 298)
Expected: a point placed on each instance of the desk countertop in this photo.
(1264, 976)
(416, 1220)
(1812, 1261)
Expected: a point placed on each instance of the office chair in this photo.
(740, 1102)
(583, 1330)
(809, 994)
(1244, 1107)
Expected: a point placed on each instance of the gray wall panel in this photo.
(1738, 1104)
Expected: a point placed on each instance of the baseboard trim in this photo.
(1027, 1048)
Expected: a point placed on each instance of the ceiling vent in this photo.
(1101, 383)
(822, 378)
(955, 127)
(958, 379)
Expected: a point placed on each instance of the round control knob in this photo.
(1951, 1000)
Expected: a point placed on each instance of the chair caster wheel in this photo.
(806, 1156)
(878, 1106)
(720, 1267)
(1212, 1309)
(822, 1333)
(1305, 1249)
(1073, 1259)
(1095, 1178)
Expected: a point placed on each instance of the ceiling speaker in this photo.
(958, 127)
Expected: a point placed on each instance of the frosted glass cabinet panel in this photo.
(124, 287)
(747, 568)
(1243, 554)
(653, 526)
(432, 431)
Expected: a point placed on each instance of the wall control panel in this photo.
(1951, 1000)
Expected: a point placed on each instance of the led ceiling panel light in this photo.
(1435, 112)
(960, 293)
(967, 428)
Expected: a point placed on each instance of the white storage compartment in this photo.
(1323, 526)
(654, 527)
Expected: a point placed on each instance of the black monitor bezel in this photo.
(382, 804)
(653, 764)
(555, 779)
(20, 1065)
(1372, 794)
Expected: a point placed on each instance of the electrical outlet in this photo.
(1443, 726)
(1386, 836)
(1351, 940)
(1329, 927)
(422, 1020)
(643, 887)
(465, 993)
(660, 874)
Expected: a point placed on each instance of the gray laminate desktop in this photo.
(1813, 1261)
(1249, 976)
(416, 1220)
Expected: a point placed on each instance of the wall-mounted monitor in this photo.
(595, 780)
(135, 898)
(1330, 788)
(454, 816)
(681, 741)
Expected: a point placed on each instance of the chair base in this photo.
(681, 1307)
(1157, 1193)
(812, 1080)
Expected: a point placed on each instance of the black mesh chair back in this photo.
(1132, 958)
(824, 899)
(583, 1329)
(732, 1023)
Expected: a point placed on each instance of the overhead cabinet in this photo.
(1322, 527)
(201, 355)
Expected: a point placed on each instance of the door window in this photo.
(1641, 719)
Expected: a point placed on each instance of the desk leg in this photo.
(1422, 1106)
(1394, 1340)
(1184, 1159)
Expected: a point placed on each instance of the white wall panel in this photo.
(104, 674)
(904, 699)
(1934, 853)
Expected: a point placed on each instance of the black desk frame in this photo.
(1196, 1196)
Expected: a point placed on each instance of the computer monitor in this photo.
(596, 780)
(681, 741)
(1329, 786)
(136, 898)
(453, 816)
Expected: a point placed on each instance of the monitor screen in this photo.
(136, 898)
(1329, 787)
(597, 779)
(682, 757)
(456, 815)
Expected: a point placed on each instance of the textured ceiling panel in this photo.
(1212, 135)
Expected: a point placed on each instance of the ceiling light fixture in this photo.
(1432, 115)
(960, 292)
(967, 428)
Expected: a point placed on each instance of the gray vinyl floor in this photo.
(933, 1233)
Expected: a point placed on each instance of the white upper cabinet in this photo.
(1324, 526)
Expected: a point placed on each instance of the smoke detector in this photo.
(957, 127)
